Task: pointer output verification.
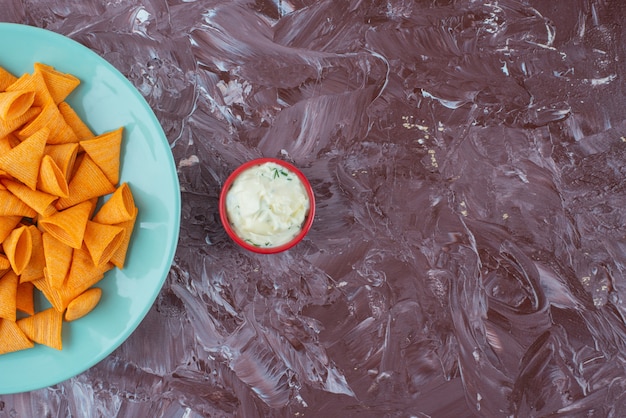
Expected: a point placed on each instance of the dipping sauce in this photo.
(267, 205)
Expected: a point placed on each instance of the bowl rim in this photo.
(306, 226)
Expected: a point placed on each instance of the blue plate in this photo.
(105, 100)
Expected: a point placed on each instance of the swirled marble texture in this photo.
(468, 257)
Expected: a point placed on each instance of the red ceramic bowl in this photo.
(306, 225)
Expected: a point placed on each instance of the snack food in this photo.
(53, 239)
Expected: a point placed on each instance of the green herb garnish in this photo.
(278, 172)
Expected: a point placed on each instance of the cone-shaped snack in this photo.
(34, 269)
(14, 104)
(65, 135)
(51, 178)
(94, 205)
(49, 117)
(58, 258)
(18, 247)
(83, 304)
(64, 155)
(5, 145)
(104, 150)
(23, 161)
(82, 275)
(88, 182)
(52, 295)
(119, 208)
(8, 142)
(5, 265)
(24, 300)
(43, 203)
(59, 84)
(83, 272)
(14, 141)
(6, 127)
(68, 226)
(102, 241)
(79, 160)
(13, 339)
(10, 205)
(8, 296)
(7, 224)
(33, 82)
(74, 121)
(44, 327)
(6, 79)
(119, 258)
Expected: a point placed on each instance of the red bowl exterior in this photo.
(224, 215)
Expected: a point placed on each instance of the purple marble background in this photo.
(468, 255)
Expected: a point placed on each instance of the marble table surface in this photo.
(468, 254)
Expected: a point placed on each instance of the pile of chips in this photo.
(54, 173)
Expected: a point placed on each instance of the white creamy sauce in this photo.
(267, 205)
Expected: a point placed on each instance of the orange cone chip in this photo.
(24, 300)
(94, 205)
(119, 208)
(6, 79)
(65, 135)
(33, 82)
(64, 155)
(72, 119)
(83, 274)
(8, 295)
(40, 201)
(104, 150)
(59, 84)
(14, 104)
(79, 160)
(52, 295)
(83, 304)
(7, 224)
(8, 142)
(14, 141)
(119, 258)
(6, 127)
(13, 339)
(5, 144)
(18, 248)
(102, 241)
(68, 226)
(34, 269)
(44, 327)
(88, 182)
(58, 258)
(51, 178)
(23, 161)
(5, 265)
(50, 118)
(10, 205)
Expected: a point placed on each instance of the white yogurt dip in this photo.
(267, 205)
